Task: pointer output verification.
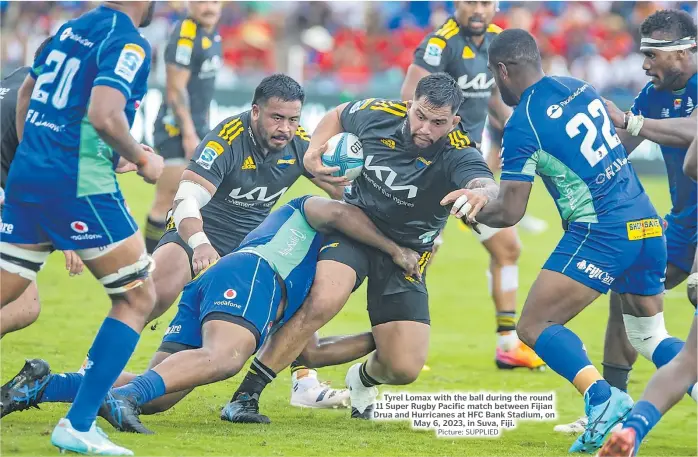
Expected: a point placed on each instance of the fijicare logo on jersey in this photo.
(611, 170)
(595, 272)
(229, 295)
(68, 33)
(82, 228)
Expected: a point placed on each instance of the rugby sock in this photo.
(111, 349)
(642, 418)
(301, 371)
(616, 375)
(153, 232)
(255, 380)
(366, 379)
(564, 352)
(506, 321)
(62, 388)
(143, 388)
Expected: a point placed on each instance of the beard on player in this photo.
(475, 17)
(273, 139)
(663, 70)
(206, 13)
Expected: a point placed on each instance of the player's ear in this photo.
(502, 69)
(255, 111)
(456, 120)
(409, 104)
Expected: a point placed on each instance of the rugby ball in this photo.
(346, 152)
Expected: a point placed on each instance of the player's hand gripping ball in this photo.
(346, 152)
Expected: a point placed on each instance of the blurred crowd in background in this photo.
(359, 47)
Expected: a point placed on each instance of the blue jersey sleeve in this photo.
(519, 151)
(640, 105)
(123, 63)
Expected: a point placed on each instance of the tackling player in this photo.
(459, 48)
(79, 102)
(226, 313)
(414, 155)
(25, 310)
(560, 130)
(663, 113)
(669, 384)
(192, 61)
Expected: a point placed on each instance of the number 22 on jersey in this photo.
(67, 68)
(608, 142)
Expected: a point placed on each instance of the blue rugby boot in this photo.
(603, 419)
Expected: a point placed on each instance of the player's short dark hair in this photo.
(675, 23)
(42, 46)
(278, 86)
(440, 89)
(515, 47)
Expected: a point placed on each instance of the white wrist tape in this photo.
(635, 123)
(191, 196)
(197, 239)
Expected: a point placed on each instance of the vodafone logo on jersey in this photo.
(79, 227)
(230, 294)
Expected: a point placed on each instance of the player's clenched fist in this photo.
(465, 203)
(204, 256)
(150, 166)
(312, 161)
(408, 260)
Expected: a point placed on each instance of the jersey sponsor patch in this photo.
(184, 51)
(433, 52)
(248, 164)
(645, 228)
(209, 154)
(130, 61)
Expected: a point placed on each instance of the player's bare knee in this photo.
(527, 331)
(404, 371)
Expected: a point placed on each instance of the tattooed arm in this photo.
(178, 101)
(469, 201)
(508, 207)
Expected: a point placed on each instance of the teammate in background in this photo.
(663, 112)
(192, 60)
(79, 102)
(239, 172)
(613, 237)
(459, 48)
(669, 384)
(270, 274)
(25, 310)
(418, 142)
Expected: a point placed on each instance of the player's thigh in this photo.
(229, 343)
(21, 312)
(172, 257)
(503, 245)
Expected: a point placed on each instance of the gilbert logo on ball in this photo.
(230, 294)
(79, 227)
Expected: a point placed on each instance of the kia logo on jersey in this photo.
(79, 227)
(230, 294)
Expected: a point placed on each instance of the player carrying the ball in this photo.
(560, 130)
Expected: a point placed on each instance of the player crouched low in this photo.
(227, 311)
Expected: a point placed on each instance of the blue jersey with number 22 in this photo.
(561, 131)
(61, 155)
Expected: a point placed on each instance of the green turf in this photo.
(461, 359)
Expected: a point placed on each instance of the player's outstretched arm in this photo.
(505, 210)
(690, 163)
(675, 132)
(107, 116)
(194, 193)
(326, 215)
(329, 126)
(23, 97)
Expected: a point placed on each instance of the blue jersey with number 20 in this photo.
(561, 131)
(61, 155)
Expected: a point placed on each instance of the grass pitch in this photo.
(461, 358)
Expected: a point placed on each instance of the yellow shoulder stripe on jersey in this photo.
(436, 41)
(448, 30)
(231, 130)
(494, 28)
(302, 133)
(397, 109)
(459, 140)
(188, 29)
